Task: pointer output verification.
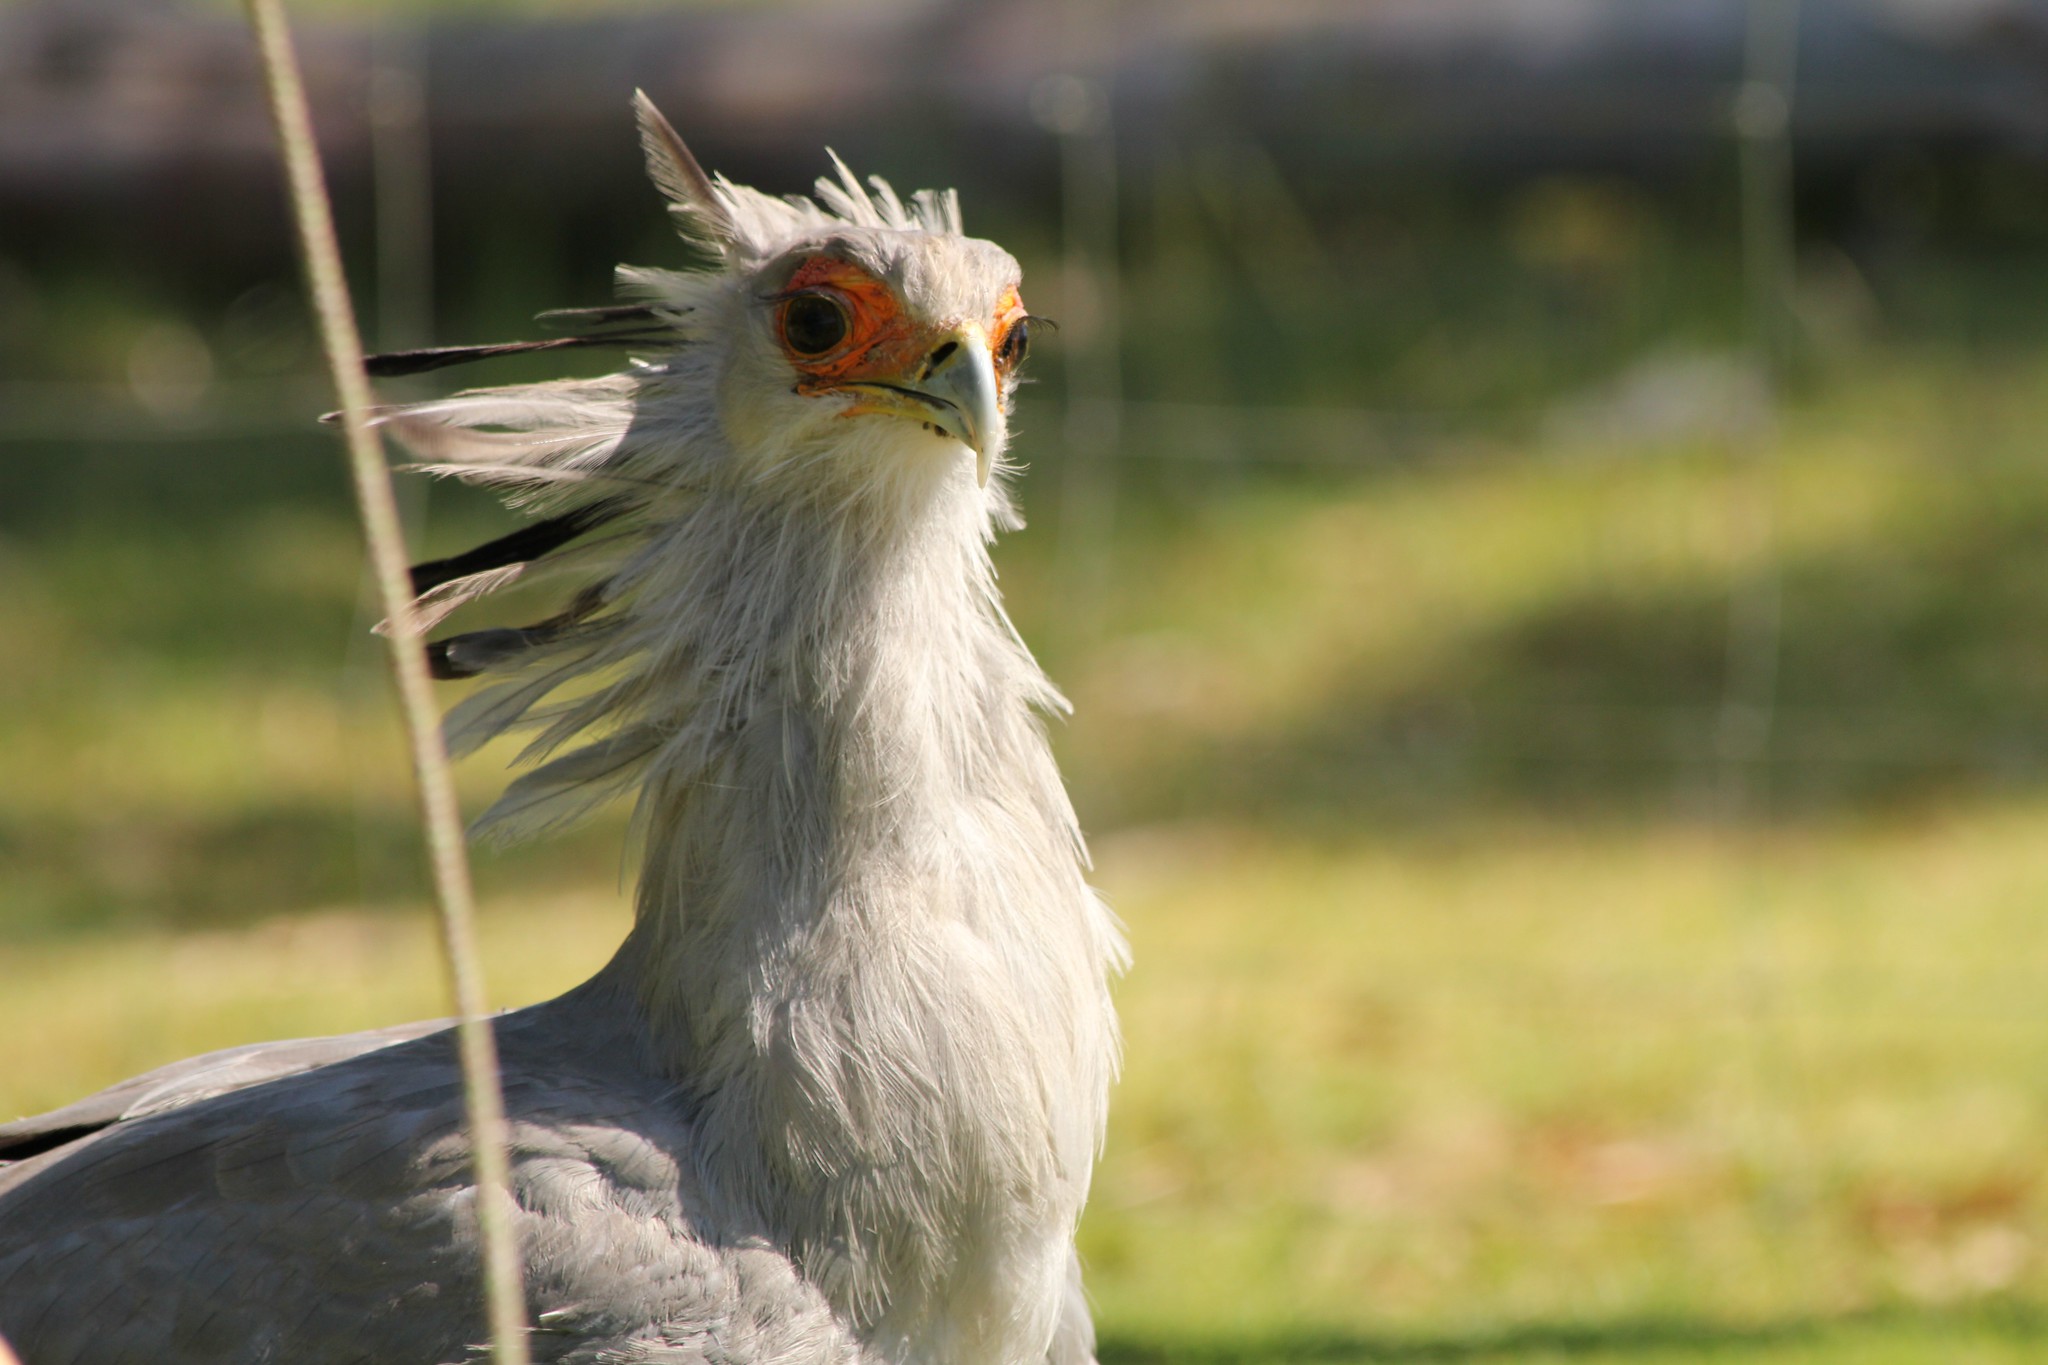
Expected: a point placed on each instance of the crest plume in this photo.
(694, 200)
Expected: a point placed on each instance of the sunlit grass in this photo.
(1532, 1071)
(108, 1005)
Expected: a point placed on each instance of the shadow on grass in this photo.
(1905, 673)
(1630, 1338)
(63, 877)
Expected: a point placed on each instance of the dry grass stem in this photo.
(390, 567)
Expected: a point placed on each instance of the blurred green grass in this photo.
(1468, 1022)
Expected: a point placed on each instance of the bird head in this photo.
(884, 347)
(859, 338)
(834, 380)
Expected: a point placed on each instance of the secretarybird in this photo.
(837, 1097)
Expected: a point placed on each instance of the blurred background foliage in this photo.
(1559, 704)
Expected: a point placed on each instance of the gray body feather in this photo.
(838, 1095)
(324, 1216)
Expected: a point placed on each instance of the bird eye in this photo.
(813, 324)
(1016, 344)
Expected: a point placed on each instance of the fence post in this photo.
(1077, 107)
(1762, 123)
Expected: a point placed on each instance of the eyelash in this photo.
(1018, 337)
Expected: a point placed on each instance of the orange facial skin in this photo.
(880, 341)
(882, 344)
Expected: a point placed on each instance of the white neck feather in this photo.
(864, 940)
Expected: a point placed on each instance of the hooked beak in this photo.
(955, 390)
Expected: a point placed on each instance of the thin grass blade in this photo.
(390, 566)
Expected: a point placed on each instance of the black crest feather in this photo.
(522, 546)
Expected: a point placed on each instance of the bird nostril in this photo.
(940, 356)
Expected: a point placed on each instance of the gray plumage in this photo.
(838, 1095)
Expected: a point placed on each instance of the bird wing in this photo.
(327, 1215)
(181, 1083)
